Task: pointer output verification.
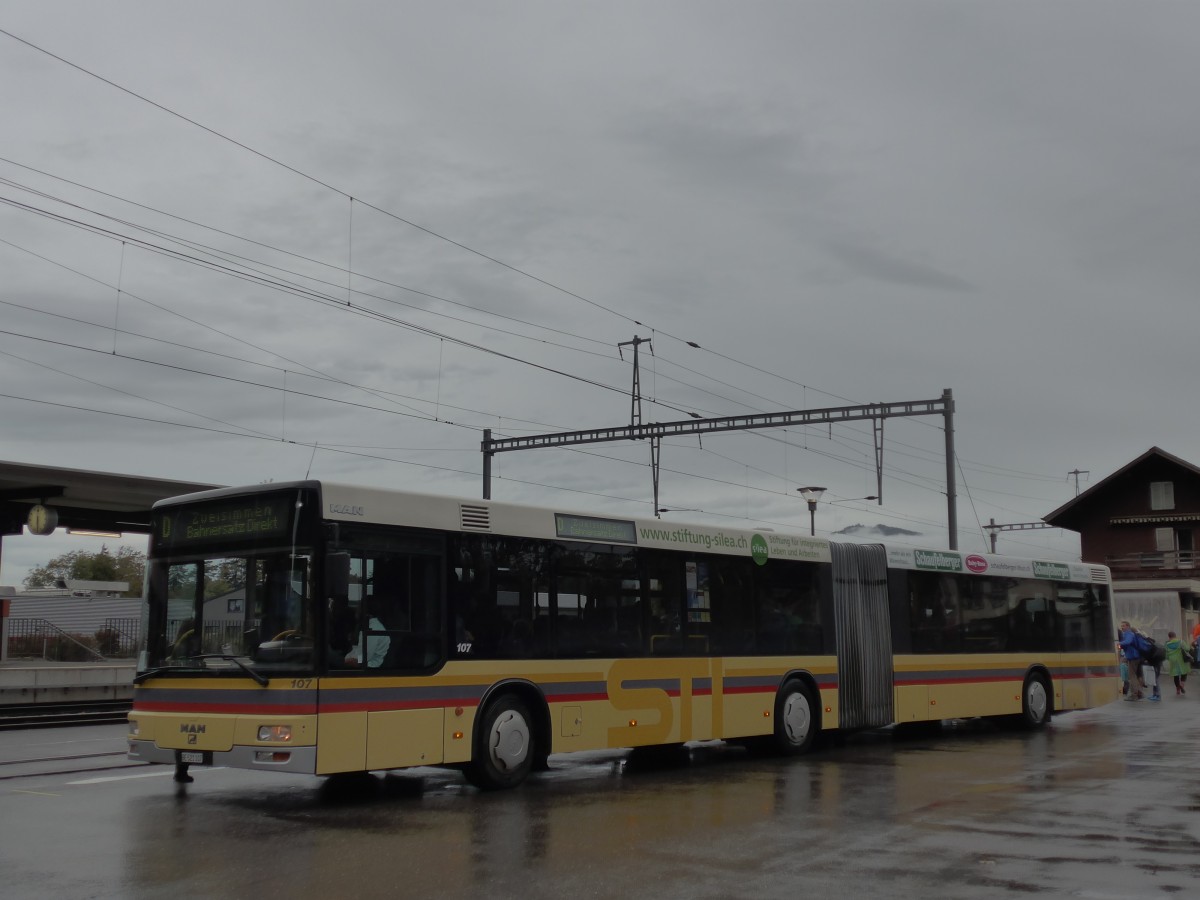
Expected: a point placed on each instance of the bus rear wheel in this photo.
(504, 749)
(797, 719)
(1035, 702)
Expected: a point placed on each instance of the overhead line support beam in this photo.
(656, 431)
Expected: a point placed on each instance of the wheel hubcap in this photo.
(797, 718)
(1037, 700)
(510, 740)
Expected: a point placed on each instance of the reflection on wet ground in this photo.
(1100, 804)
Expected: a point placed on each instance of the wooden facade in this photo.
(1143, 522)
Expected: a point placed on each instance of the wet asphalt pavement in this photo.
(1102, 803)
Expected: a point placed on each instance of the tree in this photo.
(127, 564)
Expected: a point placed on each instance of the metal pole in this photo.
(655, 455)
(812, 517)
(487, 464)
(951, 496)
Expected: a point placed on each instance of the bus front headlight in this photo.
(275, 734)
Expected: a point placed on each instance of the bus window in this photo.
(664, 580)
(393, 611)
(1084, 618)
(730, 596)
(1031, 621)
(788, 610)
(984, 614)
(595, 612)
(934, 613)
(499, 598)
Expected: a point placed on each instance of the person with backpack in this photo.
(1129, 646)
(1152, 660)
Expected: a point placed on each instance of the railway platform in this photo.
(29, 681)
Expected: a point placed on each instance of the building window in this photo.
(1164, 539)
(1162, 495)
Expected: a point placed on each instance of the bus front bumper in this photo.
(298, 760)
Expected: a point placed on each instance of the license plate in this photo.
(191, 756)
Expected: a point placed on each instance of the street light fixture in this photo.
(663, 509)
(811, 495)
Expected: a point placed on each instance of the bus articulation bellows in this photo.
(317, 628)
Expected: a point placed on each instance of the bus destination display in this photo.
(590, 528)
(255, 519)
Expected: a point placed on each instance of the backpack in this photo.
(1150, 649)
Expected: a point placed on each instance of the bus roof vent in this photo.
(1099, 574)
(475, 518)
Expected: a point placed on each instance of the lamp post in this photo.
(811, 495)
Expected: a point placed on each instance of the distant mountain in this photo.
(879, 530)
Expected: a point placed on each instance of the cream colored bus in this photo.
(320, 628)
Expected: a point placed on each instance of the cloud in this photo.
(839, 203)
(872, 263)
(879, 530)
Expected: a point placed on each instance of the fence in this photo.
(119, 638)
(218, 637)
(1157, 559)
(33, 638)
(42, 639)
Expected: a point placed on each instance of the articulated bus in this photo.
(317, 628)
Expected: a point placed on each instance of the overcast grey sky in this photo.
(840, 203)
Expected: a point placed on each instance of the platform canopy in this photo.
(83, 500)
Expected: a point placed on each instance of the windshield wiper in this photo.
(154, 673)
(150, 673)
(257, 676)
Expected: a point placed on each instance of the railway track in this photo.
(53, 715)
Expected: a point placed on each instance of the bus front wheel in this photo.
(797, 719)
(504, 745)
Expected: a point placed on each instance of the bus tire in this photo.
(797, 719)
(504, 750)
(1036, 705)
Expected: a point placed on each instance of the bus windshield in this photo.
(249, 605)
(257, 608)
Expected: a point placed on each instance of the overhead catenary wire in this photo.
(294, 286)
(392, 215)
(388, 213)
(965, 464)
(317, 296)
(241, 260)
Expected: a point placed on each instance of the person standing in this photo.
(1178, 664)
(1127, 643)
